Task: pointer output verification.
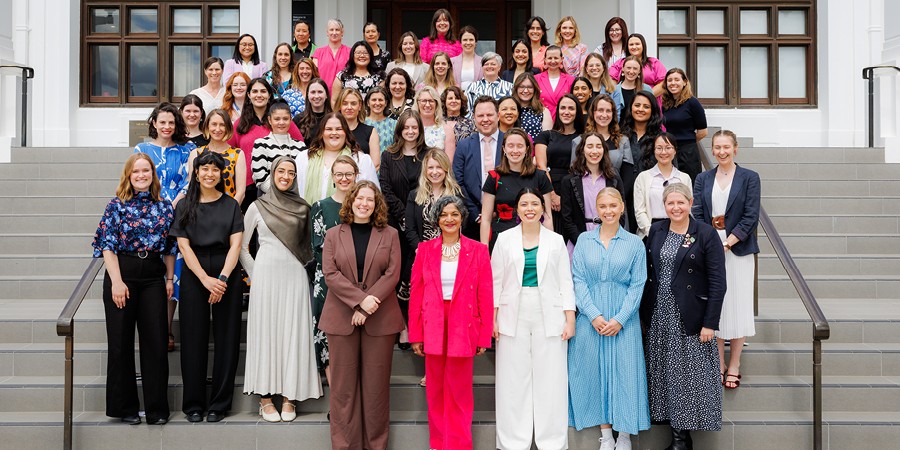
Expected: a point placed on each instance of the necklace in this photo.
(450, 252)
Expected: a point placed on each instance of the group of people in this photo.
(367, 210)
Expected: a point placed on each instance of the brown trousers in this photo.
(360, 390)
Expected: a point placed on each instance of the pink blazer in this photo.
(456, 62)
(471, 320)
(549, 96)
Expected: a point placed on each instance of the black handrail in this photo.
(821, 329)
(868, 73)
(65, 326)
(27, 74)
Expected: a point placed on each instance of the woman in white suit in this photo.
(534, 317)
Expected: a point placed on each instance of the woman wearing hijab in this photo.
(280, 352)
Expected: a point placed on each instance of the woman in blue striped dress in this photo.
(607, 377)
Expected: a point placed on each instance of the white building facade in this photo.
(784, 73)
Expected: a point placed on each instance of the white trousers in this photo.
(532, 383)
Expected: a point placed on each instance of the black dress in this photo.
(559, 158)
(209, 236)
(362, 133)
(505, 189)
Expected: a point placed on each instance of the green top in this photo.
(529, 275)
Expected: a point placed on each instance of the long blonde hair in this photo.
(451, 187)
(125, 191)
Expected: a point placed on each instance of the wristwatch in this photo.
(223, 277)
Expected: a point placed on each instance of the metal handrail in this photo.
(868, 73)
(65, 326)
(821, 329)
(27, 74)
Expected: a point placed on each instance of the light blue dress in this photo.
(607, 375)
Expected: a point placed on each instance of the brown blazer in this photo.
(380, 275)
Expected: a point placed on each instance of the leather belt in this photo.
(143, 254)
(718, 222)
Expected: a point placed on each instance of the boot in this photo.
(681, 440)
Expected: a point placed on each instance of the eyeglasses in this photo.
(424, 101)
(526, 88)
(667, 148)
(344, 176)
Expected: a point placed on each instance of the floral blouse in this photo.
(463, 128)
(361, 84)
(295, 100)
(137, 225)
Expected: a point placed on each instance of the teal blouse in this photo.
(529, 275)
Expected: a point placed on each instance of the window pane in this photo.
(754, 72)
(222, 51)
(673, 57)
(143, 71)
(711, 72)
(104, 71)
(418, 22)
(143, 21)
(792, 72)
(711, 21)
(105, 20)
(754, 21)
(226, 21)
(792, 22)
(486, 24)
(672, 21)
(185, 21)
(185, 73)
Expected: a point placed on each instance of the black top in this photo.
(683, 120)
(559, 154)
(313, 131)
(627, 98)
(215, 223)
(300, 53)
(199, 140)
(362, 133)
(381, 60)
(509, 74)
(361, 233)
(399, 177)
(505, 191)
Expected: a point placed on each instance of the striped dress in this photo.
(607, 376)
(266, 150)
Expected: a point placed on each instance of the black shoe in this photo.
(681, 440)
(159, 421)
(404, 346)
(131, 420)
(215, 416)
(195, 416)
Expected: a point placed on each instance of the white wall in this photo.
(890, 83)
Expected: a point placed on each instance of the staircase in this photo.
(833, 207)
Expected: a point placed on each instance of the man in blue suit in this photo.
(475, 156)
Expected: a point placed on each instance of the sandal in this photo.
(722, 373)
(736, 382)
(422, 382)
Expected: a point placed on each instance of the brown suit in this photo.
(360, 356)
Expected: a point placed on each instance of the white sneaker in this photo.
(624, 442)
(607, 443)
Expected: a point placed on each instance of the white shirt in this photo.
(657, 208)
(448, 277)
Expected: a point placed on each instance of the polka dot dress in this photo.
(530, 121)
(682, 372)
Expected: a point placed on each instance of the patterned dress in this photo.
(683, 373)
(325, 214)
(434, 136)
(607, 378)
(573, 58)
(464, 127)
(296, 101)
(385, 129)
(362, 84)
(531, 121)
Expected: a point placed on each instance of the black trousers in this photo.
(688, 159)
(194, 318)
(146, 307)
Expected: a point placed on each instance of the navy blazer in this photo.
(742, 212)
(467, 170)
(698, 279)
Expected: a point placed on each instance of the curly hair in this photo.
(180, 134)
(442, 203)
(379, 217)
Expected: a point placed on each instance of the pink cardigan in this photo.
(654, 73)
(429, 48)
(232, 66)
(549, 96)
(245, 142)
(471, 320)
(457, 64)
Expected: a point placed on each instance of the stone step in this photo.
(71, 155)
(62, 171)
(43, 243)
(809, 155)
(28, 265)
(833, 264)
(55, 204)
(829, 205)
(51, 223)
(97, 186)
(836, 223)
(858, 287)
(816, 170)
(835, 243)
(836, 187)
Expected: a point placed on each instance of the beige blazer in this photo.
(554, 280)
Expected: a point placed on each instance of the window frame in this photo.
(734, 41)
(164, 39)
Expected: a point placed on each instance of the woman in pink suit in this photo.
(553, 81)
(451, 292)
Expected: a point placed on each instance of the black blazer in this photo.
(571, 205)
(742, 212)
(508, 74)
(395, 185)
(415, 225)
(698, 281)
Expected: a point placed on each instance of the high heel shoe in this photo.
(269, 417)
(288, 416)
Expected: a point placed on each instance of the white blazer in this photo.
(554, 280)
(642, 197)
